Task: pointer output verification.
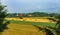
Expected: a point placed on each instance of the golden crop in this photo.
(20, 29)
(30, 19)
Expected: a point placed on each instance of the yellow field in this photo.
(20, 29)
(30, 19)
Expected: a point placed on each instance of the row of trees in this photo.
(34, 14)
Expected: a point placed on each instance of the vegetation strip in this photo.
(33, 23)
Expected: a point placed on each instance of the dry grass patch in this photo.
(20, 29)
(30, 19)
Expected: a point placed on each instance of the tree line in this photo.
(34, 14)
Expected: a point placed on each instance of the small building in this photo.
(29, 14)
(19, 15)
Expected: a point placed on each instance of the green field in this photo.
(33, 23)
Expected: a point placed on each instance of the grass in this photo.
(33, 23)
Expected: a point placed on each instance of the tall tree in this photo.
(3, 14)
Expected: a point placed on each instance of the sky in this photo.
(26, 6)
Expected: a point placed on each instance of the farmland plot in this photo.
(25, 26)
(21, 29)
(31, 19)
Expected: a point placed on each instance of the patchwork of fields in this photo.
(25, 26)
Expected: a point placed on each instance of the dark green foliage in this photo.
(34, 14)
(48, 31)
(3, 14)
(39, 28)
(56, 28)
(4, 26)
(53, 14)
(52, 19)
(39, 14)
(58, 16)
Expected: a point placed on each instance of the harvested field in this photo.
(21, 29)
(30, 19)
